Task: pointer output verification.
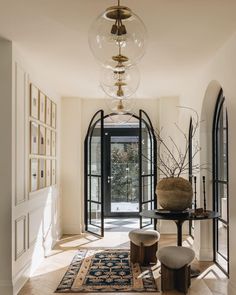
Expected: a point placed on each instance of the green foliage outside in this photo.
(124, 169)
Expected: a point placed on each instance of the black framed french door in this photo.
(121, 173)
(94, 176)
(137, 177)
(147, 167)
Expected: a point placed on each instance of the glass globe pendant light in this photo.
(121, 110)
(118, 27)
(120, 82)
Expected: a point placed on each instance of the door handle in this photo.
(109, 179)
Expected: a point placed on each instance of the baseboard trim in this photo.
(21, 278)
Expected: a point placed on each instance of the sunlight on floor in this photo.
(46, 279)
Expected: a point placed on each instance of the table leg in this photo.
(179, 224)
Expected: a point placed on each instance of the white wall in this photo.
(31, 221)
(201, 95)
(72, 172)
(5, 166)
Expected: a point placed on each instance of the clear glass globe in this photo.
(118, 32)
(120, 106)
(120, 82)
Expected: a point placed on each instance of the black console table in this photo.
(179, 218)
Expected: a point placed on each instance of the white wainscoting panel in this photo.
(20, 93)
(20, 236)
(34, 226)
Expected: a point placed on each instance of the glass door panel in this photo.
(147, 157)
(94, 176)
(122, 193)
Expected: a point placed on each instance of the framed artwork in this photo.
(42, 140)
(34, 101)
(42, 107)
(48, 111)
(48, 172)
(53, 172)
(48, 142)
(54, 114)
(41, 173)
(34, 138)
(53, 144)
(33, 175)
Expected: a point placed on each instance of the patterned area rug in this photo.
(106, 271)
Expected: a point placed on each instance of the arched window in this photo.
(221, 184)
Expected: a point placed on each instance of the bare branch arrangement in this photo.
(173, 161)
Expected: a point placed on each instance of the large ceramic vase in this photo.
(174, 193)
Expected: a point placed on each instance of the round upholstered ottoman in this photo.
(175, 267)
(143, 246)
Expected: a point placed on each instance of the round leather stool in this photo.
(175, 268)
(143, 246)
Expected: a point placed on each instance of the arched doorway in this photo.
(221, 183)
(120, 170)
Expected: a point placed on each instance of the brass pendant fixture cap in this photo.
(120, 58)
(120, 84)
(118, 12)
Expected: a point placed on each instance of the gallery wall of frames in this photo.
(43, 113)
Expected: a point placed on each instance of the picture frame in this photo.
(42, 107)
(34, 138)
(53, 144)
(42, 176)
(48, 111)
(42, 140)
(48, 172)
(33, 175)
(54, 114)
(34, 101)
(53, 172)
(48, 142)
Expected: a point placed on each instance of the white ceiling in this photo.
(183, 35)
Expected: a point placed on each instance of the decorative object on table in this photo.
(42, 154)
(195, 192)
(199, 213)
(106, 271)
(117, 39)
(204, 192)
(174, 193)
(175, 268)
(143, 246)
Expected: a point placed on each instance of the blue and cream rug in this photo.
(106, 271)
